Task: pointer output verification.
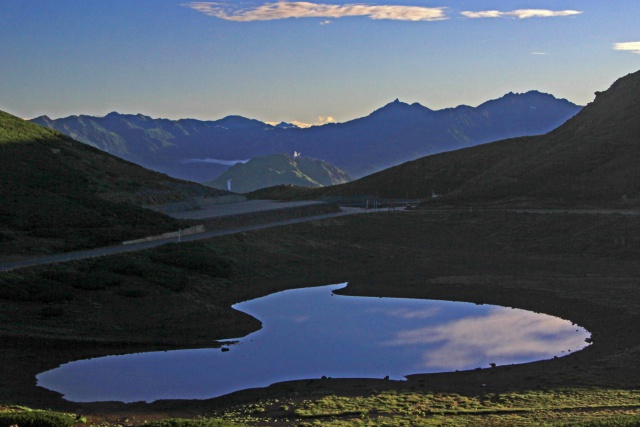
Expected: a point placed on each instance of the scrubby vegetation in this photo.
(553, 408)
(21, 416)
(199, 422)
(108, 295)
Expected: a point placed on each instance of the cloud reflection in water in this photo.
(502, 334)
(310, 333)
(408, 313)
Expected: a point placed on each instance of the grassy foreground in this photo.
(579, 267)
(555, 408)
(27, 417)
(573, 407)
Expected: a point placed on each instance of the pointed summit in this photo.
(399, 109)
(589, 161)
(43, 121)
(285, 125)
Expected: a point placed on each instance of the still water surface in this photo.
(310, 333)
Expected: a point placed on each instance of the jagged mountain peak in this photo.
(591, 160)
(533, 97)
(397, 107)
(392, 134)
(285, 125)
(138, 116)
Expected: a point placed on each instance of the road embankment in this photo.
(269, 216)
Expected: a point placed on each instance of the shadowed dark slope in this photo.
(58, 194)
(594, 158)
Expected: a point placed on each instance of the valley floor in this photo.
(579, 267)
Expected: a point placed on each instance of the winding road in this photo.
(110, 250)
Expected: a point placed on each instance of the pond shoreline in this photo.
(559, 265)
(313, 332)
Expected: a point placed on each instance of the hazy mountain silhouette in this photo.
(592, 159)
(279, 169)
(390, 135)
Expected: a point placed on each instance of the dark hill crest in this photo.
(591, 160)
(59, 194)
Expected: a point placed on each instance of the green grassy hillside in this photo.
(58, 194)
(279, 169)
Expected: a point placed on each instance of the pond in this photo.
(312, 332)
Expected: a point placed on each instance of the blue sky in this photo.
(306, 62)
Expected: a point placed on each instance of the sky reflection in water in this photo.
(308, 333)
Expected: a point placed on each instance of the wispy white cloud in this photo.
(483, 14)
(300, 9)
(539, 53)
(215, 161)
(520, 13)
(322, 120)
(633, 47)
(301, 124)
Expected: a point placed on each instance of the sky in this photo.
(304, 62)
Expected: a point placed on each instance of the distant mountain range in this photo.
(591, 160)
(279, 169)
(201, 150)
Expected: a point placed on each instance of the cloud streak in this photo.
(520, 13)
(633, 47)
(322, 120)
(407, 313)
(215, 161)
(300, 9)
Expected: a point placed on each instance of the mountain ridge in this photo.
(591, 160)
(395, 133)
